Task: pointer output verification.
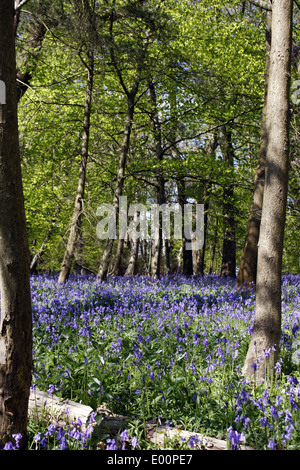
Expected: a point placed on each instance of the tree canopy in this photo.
(205, 64)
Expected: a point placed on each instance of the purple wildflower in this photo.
(111, 444)
(134, 442)
(8, 446)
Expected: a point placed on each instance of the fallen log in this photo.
(161, 434)
(50, 407)
(43, 404)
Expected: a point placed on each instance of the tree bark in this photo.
(267, 323)
(16, 313)
(78, 206)
(229, 245)
(160, 182)
(248, 264)
(131, 268)
(131, 97)
(106, 257)
(166, 256)
(187, 255)
(199, 255)
(213, 248)
(118, 259)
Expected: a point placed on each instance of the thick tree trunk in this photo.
(16, 314)
(229, 245)
(248, 264)
(267, 322)
(78, 206)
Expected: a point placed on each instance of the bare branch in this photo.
(262, 4)
(19, 4)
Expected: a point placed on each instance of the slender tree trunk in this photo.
(166, 256)
(118, 259)
(106, 257)
(187, 255)
(267, 323)
(37, 257)
(248, 264)
(75, 228)
(213, 249)
(160, 181)
(229, 245)
(131, 268)
(199, 255)
(131, 97)
(16, 313)
(179, 259)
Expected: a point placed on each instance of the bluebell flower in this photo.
(134, 442)
(124, 436)
(271, 444)
(193, 441)
(274, 412)
(52, 388)
(17, 437)
(235, 438)
(63, 443)
(287, 435)
(51, 430)
(8, 446)
(111, 444)
(264, 422)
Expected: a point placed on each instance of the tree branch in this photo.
(19, 4)
(262, 4)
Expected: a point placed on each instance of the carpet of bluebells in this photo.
(171, 349)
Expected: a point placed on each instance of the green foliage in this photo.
(206, 60)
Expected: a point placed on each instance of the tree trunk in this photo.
(106, 257)
(78, 206)
(118, 259)
(199, 255)
(166, 256)
(213, 249)
(131, 268)
(160, 182)
(131, 97)
(16, 314)
(267, 322)
(229, 245)
(187, 255)
(37, 257)
(248, 264)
